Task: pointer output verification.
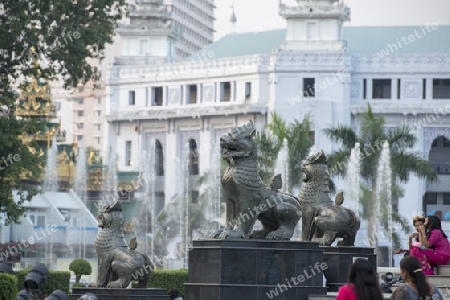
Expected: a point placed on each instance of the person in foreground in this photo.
(416, 286)
(433, 248)
(418, 222)
(362, 283)
(174, 294)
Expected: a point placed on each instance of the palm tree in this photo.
(298, 137)
(403, 163)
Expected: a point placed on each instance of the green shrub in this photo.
(80, 267)
(8, 286)
(164, 279)
(56, 280)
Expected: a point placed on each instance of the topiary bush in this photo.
(8, 286)
(56, 280)
(165, 279)
(80, 266)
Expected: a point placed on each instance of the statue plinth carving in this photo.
(118, 264)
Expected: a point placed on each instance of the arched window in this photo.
(159, 159)
(193, 158)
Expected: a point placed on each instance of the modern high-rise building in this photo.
(195, 20)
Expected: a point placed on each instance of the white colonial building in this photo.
(315, 65)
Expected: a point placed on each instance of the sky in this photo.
(260, 15)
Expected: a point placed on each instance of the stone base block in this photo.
(238, 269)
(339, 261)
(121, 294)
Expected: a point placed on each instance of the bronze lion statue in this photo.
(247, 197)
(117, 263)
(323, 221)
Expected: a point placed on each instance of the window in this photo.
(381, 88)
(225, 91)
(80, 125)
(309, 89)
(159, 159)
(364, 88)
(80, 113)
(131, 98)
(424, 88)
(157, 96)
(79, 137)
(311, 31)
(40, 221)
(99, 127)
(99, 113)
(194, 196)
(446, 198)
(398, 88)
(248, 90)
(191, 94)
(193, 158)
(99, 100)
(80, 100)
(128, 161)
(441, 88)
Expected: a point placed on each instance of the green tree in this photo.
(403, 163)
(299, 142)
(80, 267)
(45, 39)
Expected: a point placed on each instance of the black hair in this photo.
(412, 266)
(435, 223)
(173, 293)
(364, 280)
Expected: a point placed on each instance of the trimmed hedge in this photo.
(164, 279)
(8, 286)
(57, 280)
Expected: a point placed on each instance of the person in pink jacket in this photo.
(362, 283)
(433, 248)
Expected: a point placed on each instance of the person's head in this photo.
(432, 223)
(418, 221)
(364, 279)
(411, 272)
(173, 293)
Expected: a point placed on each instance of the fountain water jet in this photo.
(50, 185)
(81, 189)
(384, 193)
(282, 166)
(353, 180)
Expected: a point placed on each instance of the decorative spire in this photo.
(233, 18)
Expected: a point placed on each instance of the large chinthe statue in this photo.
(119, 264)
(240, 263)
(247, 198)
(323, 220)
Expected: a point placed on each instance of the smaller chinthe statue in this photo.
(324, 221)
(118, 264)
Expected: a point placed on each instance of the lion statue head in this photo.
(110, 216)
(238, 143)
(315, 168)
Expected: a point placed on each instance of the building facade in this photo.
(315, 65)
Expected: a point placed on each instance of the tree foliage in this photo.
(80, 267)
(47, 39)
(299, 141)
(371, 136)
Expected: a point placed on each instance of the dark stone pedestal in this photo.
(339, 261)
(121, 294)
(254, 269)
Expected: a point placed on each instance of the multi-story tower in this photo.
(195, 19)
